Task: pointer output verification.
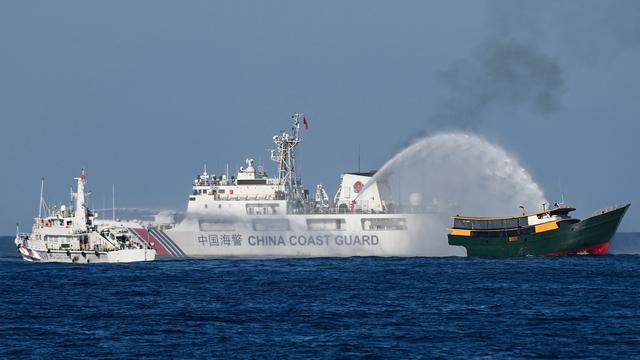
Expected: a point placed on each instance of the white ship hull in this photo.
(402, 235)
(78, 256)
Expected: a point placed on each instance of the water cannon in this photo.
(415, 200)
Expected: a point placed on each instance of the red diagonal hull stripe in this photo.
(160, 249)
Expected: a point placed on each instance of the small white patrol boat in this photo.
(71, 235)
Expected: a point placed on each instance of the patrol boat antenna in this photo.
(284, 155)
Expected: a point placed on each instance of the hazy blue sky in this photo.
(143, 93)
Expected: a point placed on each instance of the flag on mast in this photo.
(305, 122)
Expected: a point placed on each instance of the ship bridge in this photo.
(252, 192)
(513, 222)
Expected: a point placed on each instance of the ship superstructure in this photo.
(252, 192)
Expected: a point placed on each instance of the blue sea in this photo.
(467, 308)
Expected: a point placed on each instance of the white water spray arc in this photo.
(457, 173)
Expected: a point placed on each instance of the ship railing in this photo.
(337, 211)
(230, 182)
(607, 209)
(229, 197)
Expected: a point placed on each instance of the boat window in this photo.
(216, 225)
(192, 198)
(462, 224)
(491, 224)
(271, 224)
(543, 216)
(511, 223)
(326, 224)
(252, 182)
(479, 225)
(262, 209)
(494, 224)
(384, 224)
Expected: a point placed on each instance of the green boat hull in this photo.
(590, 236)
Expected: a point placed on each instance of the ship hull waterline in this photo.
(85, 257)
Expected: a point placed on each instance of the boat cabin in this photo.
(514, 222)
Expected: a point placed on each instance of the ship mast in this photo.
(284, 155)
(41, 198)
(80, 216)
(113, 202)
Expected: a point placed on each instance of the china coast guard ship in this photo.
(74, 235)
(256, 215)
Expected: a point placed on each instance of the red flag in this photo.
(305, 122)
